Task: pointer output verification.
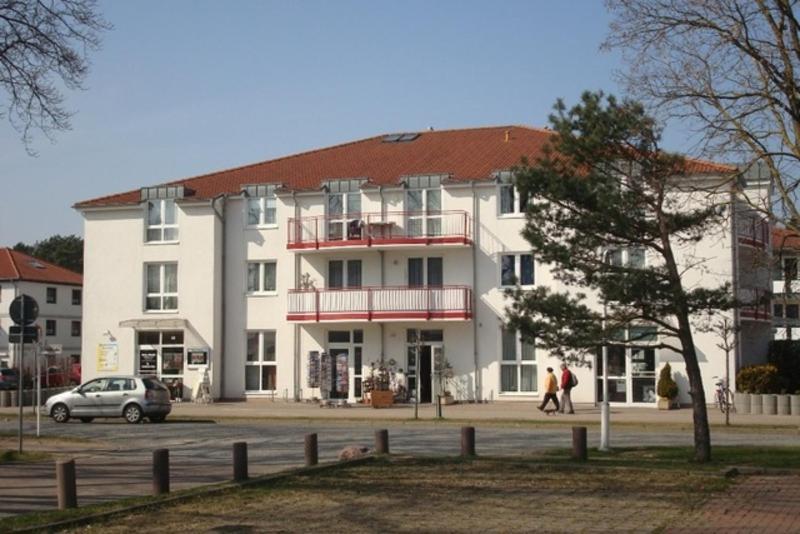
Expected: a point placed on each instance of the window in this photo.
(161, 220)
(261, 277)
(261, 211)
(76, 297)
(161, 286)
(786, 269)
(50, 327)
(516, 267)
(777, 310)
(632, 257)
(518, 364)
(422, 269)
(75, 329)
(344, 209)
(511, 200)
(792, 311)
(260, 365)
(424, 207)
(52, 294)
(343, 273)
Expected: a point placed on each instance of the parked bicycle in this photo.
(724, 396)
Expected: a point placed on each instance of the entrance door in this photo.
(340, 373)
(631, 375)
(425, 374)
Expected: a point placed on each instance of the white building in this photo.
(354, 251)
(785, 285)
(57, 291)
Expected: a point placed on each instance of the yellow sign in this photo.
(107, 357)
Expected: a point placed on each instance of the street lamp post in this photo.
(605, 411)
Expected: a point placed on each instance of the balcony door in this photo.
(424, 212)
(423, 349)
(425, 272)
(344, 273)
(343, 216)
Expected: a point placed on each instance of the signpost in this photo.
(24, 311)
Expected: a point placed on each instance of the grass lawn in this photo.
(7, 456)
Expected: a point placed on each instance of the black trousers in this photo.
(549, 397)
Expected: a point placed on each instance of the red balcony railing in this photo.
(371, 229)
(756, 304)
(380, 303)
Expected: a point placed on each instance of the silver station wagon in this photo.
(131, 397)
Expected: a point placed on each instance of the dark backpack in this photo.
(573, 380)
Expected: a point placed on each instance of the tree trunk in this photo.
(702, 433)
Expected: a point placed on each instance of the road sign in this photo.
(23, 334)
(24, 310)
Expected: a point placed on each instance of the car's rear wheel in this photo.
(60, 413)
(157, 418)
(87, 419)
(132, 413)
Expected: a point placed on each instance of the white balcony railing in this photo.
(380, 303)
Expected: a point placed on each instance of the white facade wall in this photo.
(114, 277)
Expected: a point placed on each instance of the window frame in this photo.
(517, 211)
(47, 330)
(162, 227)
(261, 271)
(517, 269)
(77, 301)
(263, 206)
(161, 295)
(73, 329)
(261, 362)
(50, 290)
(518, 362)
(424, 214)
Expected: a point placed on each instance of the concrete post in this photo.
(14, 397)
(783, 405)
(240, 461)
(160, 471)
(756, 406)
(467, 441)
(579, 451)
(65, 484)
(5, 399)
(312, 452)
(382, 441)
(769, 404)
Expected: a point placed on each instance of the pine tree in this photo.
(605, 197)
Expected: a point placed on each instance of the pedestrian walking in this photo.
(568, 381)
(550, 389)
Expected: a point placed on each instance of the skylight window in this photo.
(391, 138)
(400, 138)
(35, 264)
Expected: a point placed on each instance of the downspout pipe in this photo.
(737, 321)
(220, 214)
(383, 277)
(475, 244)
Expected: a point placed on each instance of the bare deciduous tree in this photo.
(729, 67)
(44, 46)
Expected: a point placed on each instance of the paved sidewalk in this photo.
(755, 504)
(509, 411)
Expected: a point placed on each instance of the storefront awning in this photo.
(139, 324)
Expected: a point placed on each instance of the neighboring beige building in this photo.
(349, 254)
(59, 293)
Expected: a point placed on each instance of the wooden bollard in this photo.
(579, 451)
(382, 441)
(160, 471)
(65, 484)
(467, 441)
(312, 452)
(239, 461)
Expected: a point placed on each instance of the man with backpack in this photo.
(568, 381)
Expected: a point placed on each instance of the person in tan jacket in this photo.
(550, 390)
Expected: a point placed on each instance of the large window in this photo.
(161, 286)
(518, 364)
(425, 271)
(424, 207)
(632, 257)
(344, 211)
(162, 223)
(75, 329)
(76, 297)
(260, 371)
(52, 295)
(343, 273)
(511, 201)
(261, 277)
(261, 211)
(516, 268)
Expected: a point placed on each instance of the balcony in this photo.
(452, 303)
(753, 232)
(756, 304)
(391, 229)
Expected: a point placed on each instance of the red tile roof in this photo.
(18, 266)
(467, 154)
(783, 238)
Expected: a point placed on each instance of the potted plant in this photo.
(444, 375)
(667, 389)
(380, 394)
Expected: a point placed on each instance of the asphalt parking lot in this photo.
(118, 462)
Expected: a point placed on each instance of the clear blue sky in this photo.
(181, 88)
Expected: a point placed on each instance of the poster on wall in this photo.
(197, 357)
(107, 357)
(148, 361)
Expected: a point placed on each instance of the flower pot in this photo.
(381, 399)
(756, 408)
(783, 405)
(769, 404)
(742, 403)
(794, 404)
(448, 399)
(666, 404)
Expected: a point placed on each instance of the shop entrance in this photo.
(161, 354)
(340, 379)
(430, 349)
(631, 375)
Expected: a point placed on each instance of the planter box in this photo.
(783, 404)
(794, 404)
(756, 406)
(667, 404)
(447, 399)
(769, 404)
(381, 399)
(742, 403)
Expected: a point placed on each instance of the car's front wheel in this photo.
(132, 413)
(60, 413)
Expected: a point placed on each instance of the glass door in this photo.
(340, 372)
(617, 375)
(643, 375)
